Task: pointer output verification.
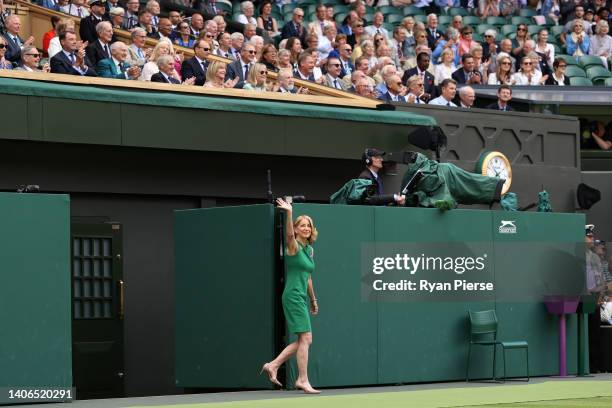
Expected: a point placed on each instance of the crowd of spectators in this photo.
(413, 61)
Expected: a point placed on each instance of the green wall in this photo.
(35, 294)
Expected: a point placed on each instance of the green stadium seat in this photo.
(339, 17)
(534, 29)
(580, 81)
(498, 21)
(420, 17)
(225, 7)
(333, 2)
(394, 18)
(550, 22)
(608, 82)
(557, 30)
(573, 71)
(444, 20)
(471, 21)
(598, 74)
(516, 20)
(587, 61)
(457, 11)
(507, 29)
(413, 11)
(288, 8)
(303, 3)
(568, 58)
(389, 10)
(557, 49)
(527, 12)
(481, 28)
(389, 27)
(340, 8)
(477, 37)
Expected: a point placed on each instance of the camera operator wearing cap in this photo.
(373, 160)
(594, 275)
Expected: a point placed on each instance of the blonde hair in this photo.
(253, 71)
(212, 70)
(313, 234)
(155, 54)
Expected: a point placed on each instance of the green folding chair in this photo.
(498, 21)
(534, 29)
(587, 61)
(458, 11)
(568, 59)
(508, 29)
(483, 332)
(598, 74)
(516, 20)
(527, 12)
(580, 81)
(389, 10)
(575, 71)
(413, 11)
(444, 20)
(471, 21)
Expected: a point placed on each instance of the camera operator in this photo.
(373, 160)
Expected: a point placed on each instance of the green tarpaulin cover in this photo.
(351, 193)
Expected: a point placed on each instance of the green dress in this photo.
(295, 296)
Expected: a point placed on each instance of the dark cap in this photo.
(589, 230)
(589, 10)
(372, 152)
(96, 2)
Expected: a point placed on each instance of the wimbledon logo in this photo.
(507, 227)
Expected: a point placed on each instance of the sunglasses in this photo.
(359, 25)
(348, 49)
(488, 36)
(205, 49)
(527, 63)
(562, 66)
(521, 29)
(209, 36)
(263, 72)
(251, 51)
(33, 55)
(2, 46)
(334, 65)
(299, 15)
(506, 63)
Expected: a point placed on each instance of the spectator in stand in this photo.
(363, 88)
(332, 78)
(163, 47)
(408, 24)
(601, 42)
(416, 93)
(345, 59)
(505, 47)
(50, 4)
(450, 42)
(164, 29)
(479, 65)
(326, 42)
(503, 73)
(248, 11)
(130, 21)
(167, 73)
(184, 37)
(210, 7)
(294, 45)
(527, 75)
(75, 8)
(446, 67)
(305, 67)
(433, 34)
(467, 74)
(116, 67)
(522, 35)
(377, 26)
(225, 45)
(448, 90)
(284, 60)
(99, 49)
(558, 75)
(508, 7)
(295, 27)
(197, 24)
(466, 41)
(237, 42)
(400, 49)
(504, 95)
(423, 59)
(395, 90)
(544, 50)
(215, 76)
(137, 53)
(385, 73)
(316, 27)
(329, 15)
(63, 26)
(12, 39)
(265, 21)
(30, 59)
(550, 9)
(145, 22)
(257, 78)
(467, 96)
(358, 33)
(347, 24)
(368, 52)
(312, 41)
(457, 22)
(258, 42)
(240, 68)
(286, 83)
(221, 24)
(49, 35)
(116, 15)
(153, 8)
(488, 8)
(338, 43)
(87, 27)
(175, 18)
(269, 57)
(72, 59)
(196, 66)
(489, 47)
(4, 63)
(569, 26)
(577, 43)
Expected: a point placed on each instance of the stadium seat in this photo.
(339, 17)
(444, 20)
(334, 2)
(507, 29)
(527, 12)
(557, 49)
(389, 27)
(413, 11)
(574, 71)
(224, 7)
(477, 37)
(498, 21)
(389, 10)
(534, 29)
(394, 18)
(481, 28)
(608, 82)
(483, 332)
(471, 21)
(288, 8)
(458, 11)
(550, 22)
(587, 61)
(598, 74)
(557, 30)
(580, 81)
(420, 17)
(568, 59)
(340, 8)
(516, 20)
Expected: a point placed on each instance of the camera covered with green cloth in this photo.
(444, 185)
(360, 191)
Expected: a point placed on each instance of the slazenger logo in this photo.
(507, 227)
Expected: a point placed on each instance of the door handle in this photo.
(121, 300)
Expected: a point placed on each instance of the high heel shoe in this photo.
(271, 375)
(306, 389)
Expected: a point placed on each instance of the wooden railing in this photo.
(40, 22)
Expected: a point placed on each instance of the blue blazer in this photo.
(13, 53)
(106, 68)
(387, 98)
(60, 64)
(289, 31)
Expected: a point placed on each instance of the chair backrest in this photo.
(580, 81)
(589, 61)
(483, 322)
(574, 71)
(608, 82)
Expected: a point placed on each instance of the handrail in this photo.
(124, 36)
(190, 89)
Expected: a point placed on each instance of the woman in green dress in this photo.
(298, 296)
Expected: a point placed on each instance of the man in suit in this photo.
(316, 27)
(116, 66)
(504, 95)
(72, 59)
(100, 48)
(225, 46)
(13, 40)
(467, 74)
(449, 90)
(197, 24)
(30, 58)
(286, 83)
(137, 53)
(420, 70)
(166, 68)
(346, 51)
(87, 28)
(467, 96)
(332, 78)
(377, 26)
(400, 47)
(240, 68)
(394, 90)
(197, 65)
(131, 15)
(295, 27)
(433, 34)
(210, 7)
(305, 67)
(373, 161)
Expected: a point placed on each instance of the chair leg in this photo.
(494, 350)
(527, 353)
(467, 368)
(504, 361)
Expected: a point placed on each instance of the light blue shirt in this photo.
(440, 101)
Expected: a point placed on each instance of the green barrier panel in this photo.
(224, 296)
(35, 296)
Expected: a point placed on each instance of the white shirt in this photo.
(372, 30)
(244, 20)
(521, 79)
(440, 101)
(54, 47)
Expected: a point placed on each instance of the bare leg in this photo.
(304, 341)
(272, 367)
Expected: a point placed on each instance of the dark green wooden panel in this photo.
(224, 296)
(35, 292)
(35, 117)
(15, 108)
(72, 121)
(344, 349)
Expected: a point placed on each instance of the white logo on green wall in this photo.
(507, 227)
